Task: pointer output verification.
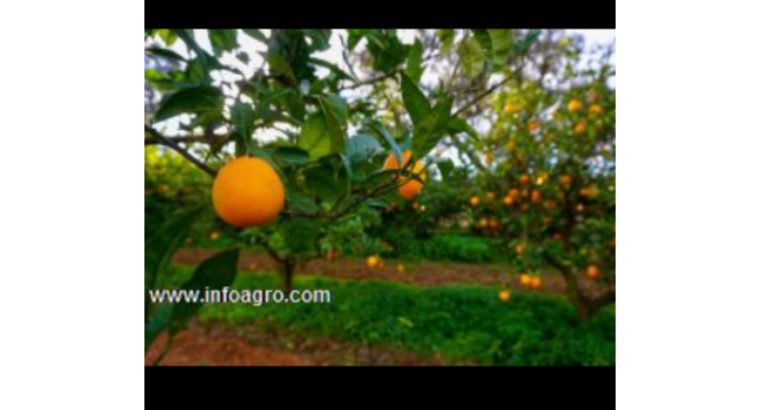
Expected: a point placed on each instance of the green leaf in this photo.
(279, 65)
(161, 244)
(256, 34)
(301, 203)
(320, 38)
(168, 36)
(446, 37)
(315, 137)
(501, 41)
(414, 67)
(301, 235)
(483, 38)
(459, 125)
(336, 116)
(415, 102)
(387, 50)
(222, 40)
(472, 56)
(291, 155)
(378, 127)
(523, 43)
(339, 74)
(446, 167)
(165, 53)
(215, 272)
(362, 147)
(242, 118)
(355, 35)
(190, 100)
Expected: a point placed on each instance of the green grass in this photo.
(463, 323)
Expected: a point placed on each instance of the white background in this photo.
(688, 310)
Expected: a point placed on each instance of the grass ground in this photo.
(461, 323)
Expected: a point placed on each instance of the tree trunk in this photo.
(288, 268)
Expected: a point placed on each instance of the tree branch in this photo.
(175, 146)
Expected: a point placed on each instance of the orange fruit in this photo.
(400, 268)
(574, 105)
(483, 223)
(373, 261)
(508, 200)
(511, 107)
(519, 248)
(535, 196)
(592, 272)
(533, 125)
(580, 127)
(535, 282)
(589, 192)
(474, 201)
(550, 204)
(411, 187)
(504, 295)
(514, 193)
(215, 235)
(490, 196)
(612, 243)
(248, 192)
(525, 279)
(595, 109)
(524, 179)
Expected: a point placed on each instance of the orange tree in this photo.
(549, 159)
(286, 195)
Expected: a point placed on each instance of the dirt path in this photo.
(218, 345)
(422, 273)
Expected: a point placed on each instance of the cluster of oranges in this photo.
(375, 261)
(530, 281)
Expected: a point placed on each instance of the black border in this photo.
(385, 14)
(290, 387)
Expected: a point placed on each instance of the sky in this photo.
(593, 39)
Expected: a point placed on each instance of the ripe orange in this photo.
(247, 192)
(524, 179)
(400, 268)
(504, 295)
(490, 196)
(535, 282)
(525, 280)
(519, 248)
(550, 204)
(580, 127)
(595, 109)
(373, 261)
(483, 223)
(508, 200)
(474, 201)
(514, 193)
(511, 107)
(592, 272)
(215, 235)
(565, 180)
(535, 196)
(589, 192)
(411, 187)
(574, 105)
